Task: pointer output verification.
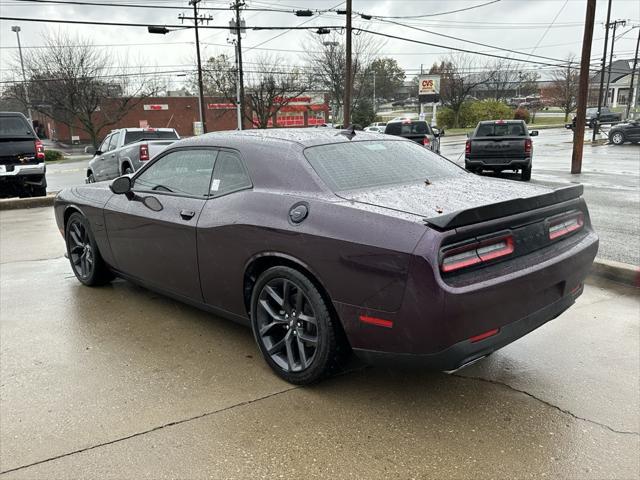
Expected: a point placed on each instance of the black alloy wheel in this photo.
(91, 178)
(127, 170)
(293, 327)
(83, 253)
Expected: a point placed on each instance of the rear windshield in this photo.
(14, 127)
(501, 130)
(132, 137)
(370, 164)
(413, 128)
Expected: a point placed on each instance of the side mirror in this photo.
(121, 185)
(533, 133)
(91, 150)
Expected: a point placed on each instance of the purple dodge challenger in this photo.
(327, 242)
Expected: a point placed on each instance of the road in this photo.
(118, 382)
(611, 176)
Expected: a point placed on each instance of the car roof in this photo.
(305, 137)
(12, 114)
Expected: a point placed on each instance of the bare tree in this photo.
(503, 76)
(78, 84)
(269, 85)
(563, 91)
(460, 75)
(327, 61)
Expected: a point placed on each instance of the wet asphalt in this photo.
(119, 382)
(611, 176)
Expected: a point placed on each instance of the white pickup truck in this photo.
(125, 150)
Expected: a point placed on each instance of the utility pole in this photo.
(16, 29)
(583, 88)
(374, 92)
(613, 41)
(632, 97)
(237, 5)
(348, 73)
(604, 59)
(196, 20)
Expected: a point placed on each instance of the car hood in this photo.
(446, 196)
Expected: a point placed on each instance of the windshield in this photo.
(131, 137)
(14, 127)
(501, 130)
(370, 164)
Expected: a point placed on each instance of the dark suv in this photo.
(22, 167)
(417, 130)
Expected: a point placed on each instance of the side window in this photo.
(105, 144)
(229, 174)
(114, 141)
(185, 172)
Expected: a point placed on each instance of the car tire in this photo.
(91, 178)
(617, 138)
(525, 174)
(293, 326)
(85, 259)
(127, 170)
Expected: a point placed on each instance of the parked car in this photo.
(125, 150)
(374, 129)
(378, 124)
(500, 145)
(22, 166)
(606, 117)
(625, 132)
(417, 130)
(324, 242)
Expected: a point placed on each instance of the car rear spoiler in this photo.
(502, 209)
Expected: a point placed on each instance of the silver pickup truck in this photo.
(125, 150)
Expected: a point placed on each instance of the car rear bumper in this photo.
(468, 351)
(504, 163)
(22, 170)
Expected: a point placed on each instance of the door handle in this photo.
(187, 214)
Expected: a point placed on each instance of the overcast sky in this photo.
(550, 28)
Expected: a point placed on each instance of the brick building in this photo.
(182, 113)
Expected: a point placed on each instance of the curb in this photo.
(616, 271)
(32, 202)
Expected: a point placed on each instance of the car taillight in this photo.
(144, 153)
(39, 150)
(467, 147)
(565, 225)
(426, 142)
(476, 253)
(527, 145)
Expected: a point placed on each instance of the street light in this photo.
(16, 29)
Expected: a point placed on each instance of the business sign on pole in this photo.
(429, 88)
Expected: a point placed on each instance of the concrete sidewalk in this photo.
(118, 382)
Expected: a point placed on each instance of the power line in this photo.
(440, 13)
(473, 42)
(132, 5)
(457, 49)
(548, 27)
(281, 34)
(145, 25)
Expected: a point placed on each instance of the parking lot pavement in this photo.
(118, 382)
(611, 179)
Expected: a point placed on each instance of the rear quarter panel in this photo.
(360, 258)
